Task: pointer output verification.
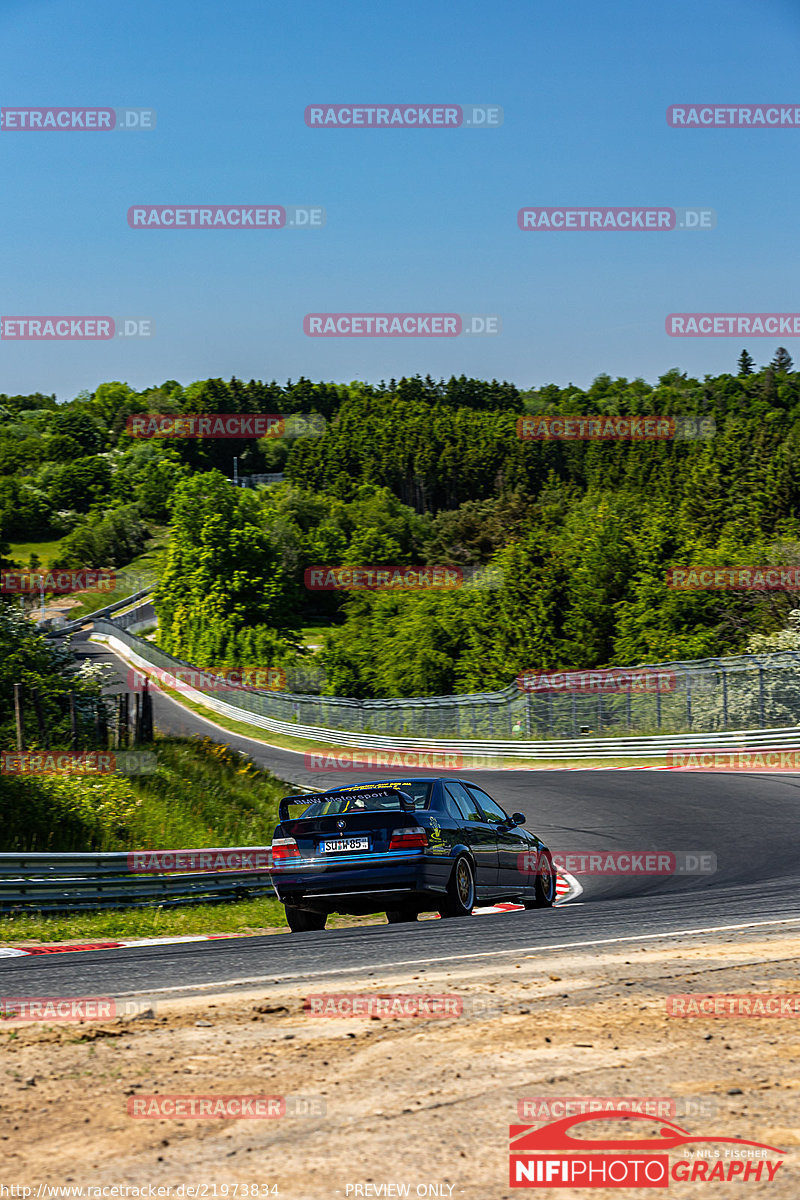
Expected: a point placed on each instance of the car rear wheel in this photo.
(460, 890)
(396, 916)
(544, 888)
(302, 920)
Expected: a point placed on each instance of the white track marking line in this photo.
(415, 962)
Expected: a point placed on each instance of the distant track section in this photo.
(786, 738)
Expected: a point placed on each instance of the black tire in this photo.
(397, 916)
(544, 888)
(302, 920)
(460, 890)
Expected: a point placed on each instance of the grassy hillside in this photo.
(202, 794)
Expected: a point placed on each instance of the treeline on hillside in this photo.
(421, 472)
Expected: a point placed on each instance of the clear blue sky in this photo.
(417, 221)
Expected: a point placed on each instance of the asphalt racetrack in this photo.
(749, 821)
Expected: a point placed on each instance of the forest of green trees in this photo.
(578, 536)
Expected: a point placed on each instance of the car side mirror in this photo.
(518, 819)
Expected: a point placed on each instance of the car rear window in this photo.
(366, 798)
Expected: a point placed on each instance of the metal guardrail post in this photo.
(36, 699)
(18, 716)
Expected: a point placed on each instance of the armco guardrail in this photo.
(72, 626)
(45, 882)
(711, 696)
(141, 654)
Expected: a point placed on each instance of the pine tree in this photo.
(782, 361)
(745, 363)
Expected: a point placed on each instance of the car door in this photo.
(479, 834)
(511, 841)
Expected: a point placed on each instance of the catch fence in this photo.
(713, 696)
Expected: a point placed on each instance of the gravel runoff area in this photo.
(409, 1105)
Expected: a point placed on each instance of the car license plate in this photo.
(343, 845)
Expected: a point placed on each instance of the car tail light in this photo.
(414, 838)
(283, 848)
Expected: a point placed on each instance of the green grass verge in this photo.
(201, 794)
(241, 916)
(46, 550)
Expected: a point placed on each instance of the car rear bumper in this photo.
(365, 887)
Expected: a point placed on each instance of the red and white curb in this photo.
(567, 888)
(14, 952)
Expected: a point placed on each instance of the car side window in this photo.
(492, 809)
(470, 811)
(448, 805)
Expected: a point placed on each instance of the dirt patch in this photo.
(424, 1102)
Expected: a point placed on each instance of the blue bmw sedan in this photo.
(404, 846)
